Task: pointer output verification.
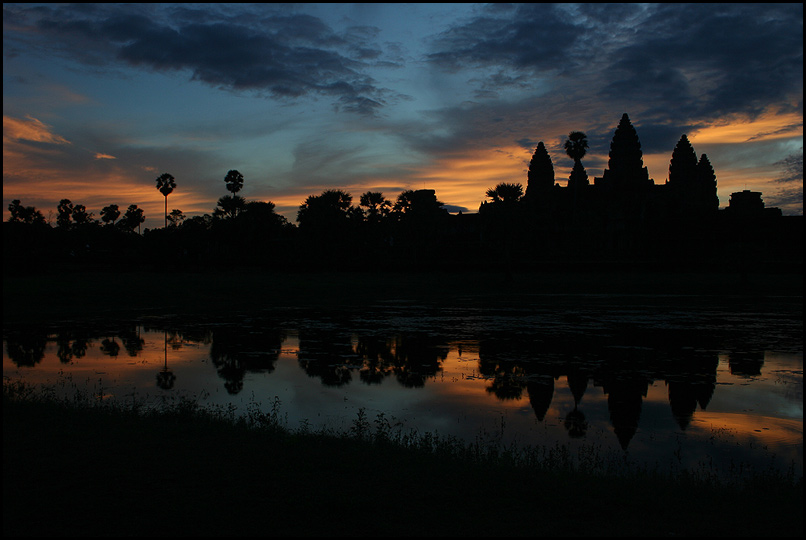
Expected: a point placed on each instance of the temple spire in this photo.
(626, 164)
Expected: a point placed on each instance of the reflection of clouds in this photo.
(455, 400)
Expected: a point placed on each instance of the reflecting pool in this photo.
(677, 383)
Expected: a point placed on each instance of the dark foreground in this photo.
(89, 471)
(52, 295)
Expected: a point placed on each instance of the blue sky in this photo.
(100, 99)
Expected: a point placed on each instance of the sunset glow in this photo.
(432, 96)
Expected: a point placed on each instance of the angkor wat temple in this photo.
(626, 215)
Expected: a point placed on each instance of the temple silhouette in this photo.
(625, 195)
(625, 215)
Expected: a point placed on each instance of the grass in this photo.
(78, 467)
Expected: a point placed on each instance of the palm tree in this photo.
(80, 215)
(165, 185)
(229, 205)
(576, 146)
(110, 214)
(133, 217)
(506, 193)
(376, 204)
(234, 181)
(176, 217)
(65, 209)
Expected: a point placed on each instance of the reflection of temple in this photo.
(746, 364)
(515, 368)
(624, 379)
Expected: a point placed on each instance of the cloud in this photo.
(792, 169)
(697, 62)
(29, 129)
(104, 156)
(283, 56)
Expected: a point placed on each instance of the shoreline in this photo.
(45, 297)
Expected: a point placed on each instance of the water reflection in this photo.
(578, 372)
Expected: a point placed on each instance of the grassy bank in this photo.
(82, 469)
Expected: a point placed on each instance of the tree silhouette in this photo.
(576, 147)
(176, 217)
(329, 208)
(166, 184)
(325, 223)
(110, 214)
(376, 204)
(17, 211)
(24, 214)
(234, 181)
(133, 217)
(65, 210)
(81, 216)
(418, 204)
(506, 193)
(229, 206)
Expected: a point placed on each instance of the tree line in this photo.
(330, 229)
(625, 215)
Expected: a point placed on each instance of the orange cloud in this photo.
(738, 129)
(462, 179)
(31, 129)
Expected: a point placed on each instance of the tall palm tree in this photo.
(576, 146)
(165, 185)
(234, 181)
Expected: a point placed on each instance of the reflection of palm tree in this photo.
(110, 347)
(576, 424)
(65, 352)
(166, 377)
(132, 341)
(165, 185)
(26, 348)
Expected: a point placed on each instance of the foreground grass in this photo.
(77, 468)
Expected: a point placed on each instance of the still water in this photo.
(677, 383)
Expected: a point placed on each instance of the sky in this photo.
(101, 99)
